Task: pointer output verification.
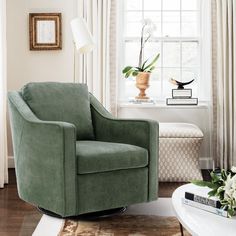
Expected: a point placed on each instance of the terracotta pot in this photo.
(142, 83)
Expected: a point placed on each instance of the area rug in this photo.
(124, 225)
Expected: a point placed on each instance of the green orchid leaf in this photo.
(127, 74)
(135, 73)
(126, 69)
(153, 62)
(138, 68)
(152, 68)
(144, 64)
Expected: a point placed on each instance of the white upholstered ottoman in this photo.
(179, 152)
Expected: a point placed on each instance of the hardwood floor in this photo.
(18, 218)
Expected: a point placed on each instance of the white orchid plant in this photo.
(223, 185)
(146, 33)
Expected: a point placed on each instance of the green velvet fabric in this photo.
(45, 159)
(61, 102)
(142, 133)
(95, 156)
(101, 191)
(117, 168)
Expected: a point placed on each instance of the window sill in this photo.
(162, 105)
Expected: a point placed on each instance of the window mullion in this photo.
(162, 78)
(181, 44)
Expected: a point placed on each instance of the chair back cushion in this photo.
(61, 102)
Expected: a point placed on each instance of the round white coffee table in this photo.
(200, 222)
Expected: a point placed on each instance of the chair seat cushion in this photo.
(95, 156)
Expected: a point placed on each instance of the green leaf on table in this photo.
(214, 176)
(212, 193)
(230, 212)
(203, 183)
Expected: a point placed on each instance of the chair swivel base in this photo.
(87, 216)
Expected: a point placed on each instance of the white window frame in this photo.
(204, 40)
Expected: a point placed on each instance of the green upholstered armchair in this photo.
(72, 157)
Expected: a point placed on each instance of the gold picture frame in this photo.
(45, 31)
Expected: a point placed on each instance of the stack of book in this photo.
(181, 97)
(199, 198)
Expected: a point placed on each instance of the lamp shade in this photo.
(82, 37)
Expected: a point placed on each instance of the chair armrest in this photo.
(142, 133)
(45, 159)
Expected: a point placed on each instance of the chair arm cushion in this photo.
(45, 160)
(142, 133)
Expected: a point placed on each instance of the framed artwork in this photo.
(45, 31)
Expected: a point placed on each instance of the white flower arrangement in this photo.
(223, 185)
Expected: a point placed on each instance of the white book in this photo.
(181, 93)
(181, 101)
(200, 195)
(211, 209)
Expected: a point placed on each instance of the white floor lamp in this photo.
(83, 40)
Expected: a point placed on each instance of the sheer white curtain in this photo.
(224, 81)
(3, 133)
(99, 68)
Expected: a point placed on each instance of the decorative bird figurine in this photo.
(180, 84)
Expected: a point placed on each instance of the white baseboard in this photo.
(205, 162)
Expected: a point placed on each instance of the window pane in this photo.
(171, 24)
(171, 54)
(130, 88)
(131, 53)
(151, 50)
(190, 55)
(171, 4)
(178, 60)
(189, 4)
(134, 17)
(154, 90)
(133, 29)
(156, 75)
(156, 19)
(189, 24)
(189, 74)
(152, 4)
(167, 89)
(169, 73)
(134, 4)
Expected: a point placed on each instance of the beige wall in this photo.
(25, 66)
